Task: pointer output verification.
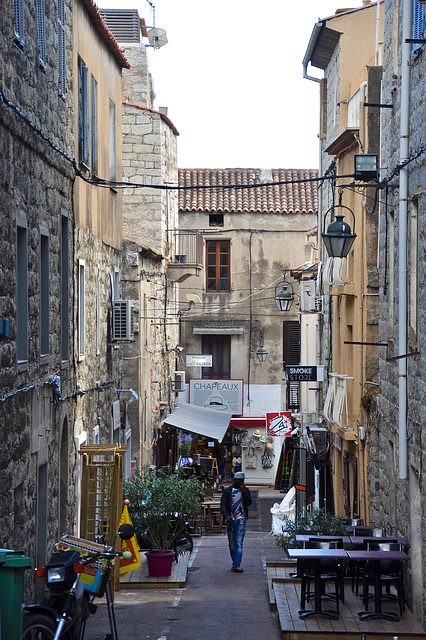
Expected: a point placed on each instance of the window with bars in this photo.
(218, 265)
(18, 22)
(61, 46)
(41, 32)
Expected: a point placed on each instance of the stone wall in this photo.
(402, 500)
(35, 188)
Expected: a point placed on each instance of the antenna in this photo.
(157, 37)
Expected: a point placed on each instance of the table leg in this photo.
(319, 611)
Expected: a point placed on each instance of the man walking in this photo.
(234, 506)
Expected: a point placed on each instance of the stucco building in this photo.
(347, 47)
(254, 226)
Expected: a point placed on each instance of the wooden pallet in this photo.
(286, 600)
(140, 579)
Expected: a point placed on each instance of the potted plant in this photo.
(160, 505)
(316, 522)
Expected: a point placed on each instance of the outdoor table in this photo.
(306, 538)
(210, 507)
(358, 541)
(375, 557)
(317, 555)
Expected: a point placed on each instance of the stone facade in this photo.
(35, 203)
(149, 224)
(402, 500)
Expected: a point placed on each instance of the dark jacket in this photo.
(226, 501)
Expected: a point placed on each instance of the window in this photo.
(98, 313)
(18, 25)
(413, 303)
(291, 355)
(83, 113)
(61, 46)
(216, 220)
(81, 309)
(418, 25)
(44, 294)
(94, 123)
(218, 346)
(21, 292)
(112, 142)
(218, 265)
(64, 289)
(41, 32)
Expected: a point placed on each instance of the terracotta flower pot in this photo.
(159, 564)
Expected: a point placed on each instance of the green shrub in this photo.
(161, 504)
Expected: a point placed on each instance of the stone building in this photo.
(347, 47)
(60, 259)
(36, 138)
(150, 224)
(396, 435)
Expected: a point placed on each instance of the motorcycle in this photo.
(75, 575)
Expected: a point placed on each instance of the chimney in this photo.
(365, 3)
(163, 110)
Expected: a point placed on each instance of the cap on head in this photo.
(239, 475)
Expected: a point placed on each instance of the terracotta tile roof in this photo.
(281, 198)
(105, 33)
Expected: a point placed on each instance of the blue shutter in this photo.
(418, 24)
(18, 26)
(61, 46)
(41, 31)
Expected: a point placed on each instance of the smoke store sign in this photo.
(221, 395)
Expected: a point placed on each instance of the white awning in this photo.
(206, 422)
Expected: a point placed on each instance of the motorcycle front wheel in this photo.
(36, 626)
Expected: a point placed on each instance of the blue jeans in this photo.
(236, 531)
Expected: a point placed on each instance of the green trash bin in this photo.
(12, 567)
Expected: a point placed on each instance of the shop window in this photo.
(218, 264)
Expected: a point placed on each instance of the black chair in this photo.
(331, 571)
(370, 531)
(357, 570)
(391, 573)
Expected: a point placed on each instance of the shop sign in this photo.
(279, 423)
(221, 395)
(300, 373)
(200, 360)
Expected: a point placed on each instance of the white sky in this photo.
(231, 77)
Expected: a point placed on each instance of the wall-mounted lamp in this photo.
(132, 393)
(366, 166)
(261, 353)
(284, 298)
(338, 238)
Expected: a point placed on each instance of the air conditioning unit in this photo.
(307, 295)
(179, 381)
(122, 321)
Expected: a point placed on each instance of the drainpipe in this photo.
(402, 249)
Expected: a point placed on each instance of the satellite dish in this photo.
(157, 37)
(194, 299)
